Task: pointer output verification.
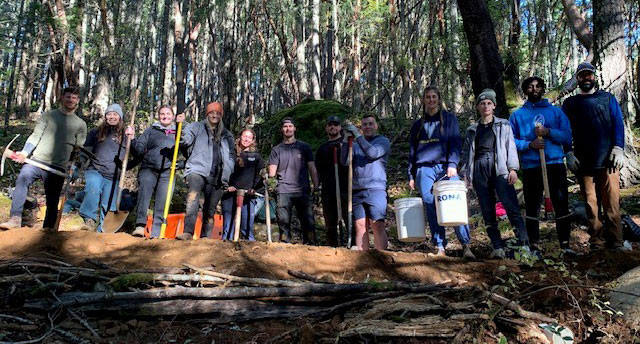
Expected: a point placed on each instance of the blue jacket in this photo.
(597, 125)
(198, 139)
(427, 148)
(523, 123)
(370, 157)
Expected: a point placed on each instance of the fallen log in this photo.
(247, 280)
(74, 299)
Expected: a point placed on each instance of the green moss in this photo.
(512, 96)
(123, 282)
(310, 119)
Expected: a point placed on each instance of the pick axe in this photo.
(11, 154)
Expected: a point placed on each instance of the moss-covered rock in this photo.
(309, 118)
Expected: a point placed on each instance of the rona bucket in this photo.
(410, 219)
(451, 202)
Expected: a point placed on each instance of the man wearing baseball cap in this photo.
(211, 158)
(538, 125)
(291, 162)
(597, 155)
(326, 172)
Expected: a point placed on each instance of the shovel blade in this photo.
(113, 221)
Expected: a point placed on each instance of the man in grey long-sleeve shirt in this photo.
(48, 144)
(370, 155)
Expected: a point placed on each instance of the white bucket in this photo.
(451, 202)
(410, 219)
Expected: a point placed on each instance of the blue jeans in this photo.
(247, 216)
(97, 190)
(425, 177)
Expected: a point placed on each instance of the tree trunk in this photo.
(486, 63)
(315, 48)
(610, 58)
(512, 73)
(180, 11)
(168, 55)
(18, 42)
(301, 58)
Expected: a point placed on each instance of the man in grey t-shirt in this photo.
(291, 162)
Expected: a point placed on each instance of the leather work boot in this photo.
(13, 222)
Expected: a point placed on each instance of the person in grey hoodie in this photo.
(490, 161)
(370, 155)
(106, 143)
(211, 158)
(155, 146)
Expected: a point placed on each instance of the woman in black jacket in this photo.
(245, 176)
(155, 146)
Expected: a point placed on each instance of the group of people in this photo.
(588, 131)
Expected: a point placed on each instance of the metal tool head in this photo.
(6, 152)
(83, 151)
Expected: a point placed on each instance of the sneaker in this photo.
(440, 252)
(184, 236)
(13, 222)
(89, 225)
(569, 252)
(138, 232)
(498, 253)
(467, 254)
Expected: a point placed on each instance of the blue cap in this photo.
(585, 66)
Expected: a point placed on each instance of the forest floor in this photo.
(561, 287)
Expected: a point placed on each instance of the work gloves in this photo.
(617, 157)
(572, 162)
(350, 128)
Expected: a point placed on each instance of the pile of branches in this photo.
(41, 294)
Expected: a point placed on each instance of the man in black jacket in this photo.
(325, 164)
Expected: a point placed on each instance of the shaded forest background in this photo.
(259, 57)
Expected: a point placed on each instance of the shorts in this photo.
(370, 203)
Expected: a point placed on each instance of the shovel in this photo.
(350, 194)
(341, 224)
(239, 201)
(267, 210)
(114, 220)
(172, 175)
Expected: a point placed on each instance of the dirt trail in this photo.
(251, 259)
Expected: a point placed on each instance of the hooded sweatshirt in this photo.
(523, 122)
(370, 157)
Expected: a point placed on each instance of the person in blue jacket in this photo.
(597, 156)
(538, 125)
(370, 156)
(434, 154)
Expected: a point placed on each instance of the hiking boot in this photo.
(13, 222)
(184, 236)
(466, 253)
(138, 232)
(49, 230)
(440, 252)
(89, 225)
(498, 253)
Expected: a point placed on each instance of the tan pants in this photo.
(603, 188)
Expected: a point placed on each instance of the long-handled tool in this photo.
(341, 225)
(267, 210)
(115, 173)
(350, 193)
(63, 199)
(114, 220)
(167, 201)
(548, 205)
(8, 153)
(239, 201)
